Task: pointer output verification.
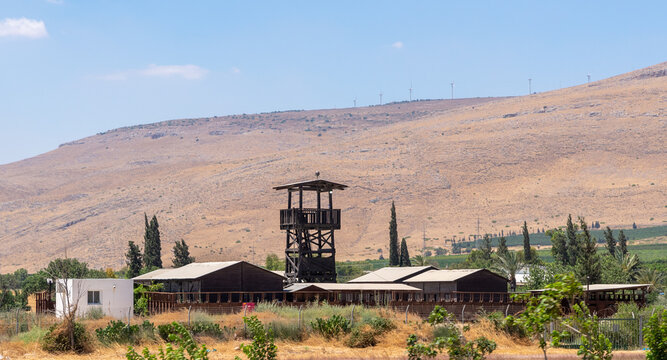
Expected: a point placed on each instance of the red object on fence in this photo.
(249, 306)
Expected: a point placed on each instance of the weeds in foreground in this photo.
(185, 343)
(262, 346)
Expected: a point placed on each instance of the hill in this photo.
(595, 150)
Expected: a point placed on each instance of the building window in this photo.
(94, 298)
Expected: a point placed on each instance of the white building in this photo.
(113, 296)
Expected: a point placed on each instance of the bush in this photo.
(119, 332)
(57, 339)
(180, 337)
(165, 330)
(361, 337)
(418, 351)
(381, 325)
(655, 334)
(331, 327)
(508, 324)
(262, 346)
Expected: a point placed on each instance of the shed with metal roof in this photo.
(226, 276)
(460, 280)
(392, 274)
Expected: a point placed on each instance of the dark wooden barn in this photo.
(228, 276)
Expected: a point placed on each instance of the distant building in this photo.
(226, 276)
(463, 280)
(114, 297)
(391, 274)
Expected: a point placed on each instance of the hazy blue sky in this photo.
(69, 69)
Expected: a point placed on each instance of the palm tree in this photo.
(509, 264)
(651, 276)
(629, 263)
(419, 260)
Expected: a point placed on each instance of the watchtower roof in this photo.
(312, 185)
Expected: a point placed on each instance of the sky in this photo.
(70, 69)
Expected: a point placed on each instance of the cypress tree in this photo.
(526, 244)
(394, 251)
(559, 246)
(181, 254)
(622, 243)
(588, 262)
(572, 243)
(133, 259)
(152, 245)
(405, 255)
(611, 242)
(502, 247)
(486, 247)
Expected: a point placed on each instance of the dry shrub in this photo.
(57, 339)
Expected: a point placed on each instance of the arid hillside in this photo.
(595, 150)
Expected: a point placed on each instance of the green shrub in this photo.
(118, 332)
(418, 351)
(262, 346)
(381, 325)
(331, 327)
(165, 330)
(655, 334)
(57, 338)
(444, 331)
(206, 329)
(181, 337)
(361, 337)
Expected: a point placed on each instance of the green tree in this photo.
(262, 346)
(502, 246)
(572, 241)
(394, 251)
(622, 242)
(629, 264)
(509, 264)
(611, 242)
(181, 254)
(274, 263)
(152, 244)
(594, 344)
(588, 262)
(656, 336)
(653, 277)
(133, 260)
(613, 273)
(559, 246)
(486, 248)
(543, 309)
(526, 243)
(67, 269)
(36, 282)
(405, 255)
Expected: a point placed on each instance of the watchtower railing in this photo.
(310, 218)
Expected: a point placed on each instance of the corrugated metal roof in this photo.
(187, 272)
(348, 287)
(391, 274)
(442, 275)
(607, 287)
(279, 272)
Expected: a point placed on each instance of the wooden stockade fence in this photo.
(461, 303)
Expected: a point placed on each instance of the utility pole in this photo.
(355, 102)
(452, 84)
(530, 88)
(380, 97)
(478, 226)
(410, 90)
(589, 78)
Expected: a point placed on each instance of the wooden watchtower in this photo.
(310, 252)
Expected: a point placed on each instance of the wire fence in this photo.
(19, 321)
(624, 334)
